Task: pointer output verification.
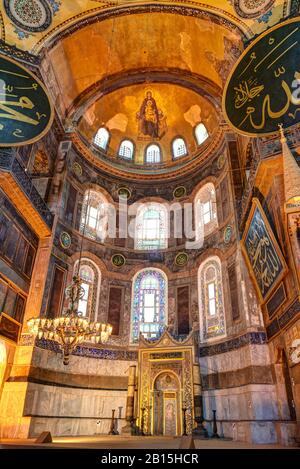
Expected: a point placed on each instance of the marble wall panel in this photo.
(243, 357)
(54, 401)
(242, 403)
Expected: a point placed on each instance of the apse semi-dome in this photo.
(157, 124)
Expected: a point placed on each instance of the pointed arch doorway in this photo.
(166, 404)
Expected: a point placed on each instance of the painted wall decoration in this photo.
(179, 192)
(30, 15)
(252, 8)
(181, 259)
(221, 161)
(26, 113)
(118, 260)
(65, 240)
(262, 252)
(152, 123)
(227, 234)
(77, 169)
(261, 91)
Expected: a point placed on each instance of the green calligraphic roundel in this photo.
(179, 192)
(221, 161)
(65, 240)
(118, 260)
(124, 193)
(26, 113)
(77, 169)
(263, 89)
(181, 259)
(227, 234)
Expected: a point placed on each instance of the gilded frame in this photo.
(263, 298)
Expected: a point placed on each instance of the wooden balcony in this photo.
(19, 188)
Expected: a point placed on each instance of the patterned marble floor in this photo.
(119, 442)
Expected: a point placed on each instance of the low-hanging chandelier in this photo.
(71, 329)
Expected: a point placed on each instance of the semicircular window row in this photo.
(153, 153)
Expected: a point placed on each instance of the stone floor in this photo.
(122, 442)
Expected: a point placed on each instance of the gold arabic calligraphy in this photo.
(12, 104)
(264, 260)
(248, 90)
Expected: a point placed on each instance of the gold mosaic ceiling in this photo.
(100, 57)
(32, 26)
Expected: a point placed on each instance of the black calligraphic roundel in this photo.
(263, 90)
(26, 113)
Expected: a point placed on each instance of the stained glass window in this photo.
(90, 282)
(101, 138)
(149, 306)
(179, 148)
(151, 227)
(126, 149)
(153, 154)
(212, 315)
(205, 210)
(201, 133)
(94, 215)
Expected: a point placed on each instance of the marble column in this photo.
(130, 400)
(199, 430)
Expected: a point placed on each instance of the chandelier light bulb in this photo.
(70, 329)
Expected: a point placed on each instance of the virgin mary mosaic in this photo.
(152, 122)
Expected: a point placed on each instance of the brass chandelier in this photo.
(71, 329)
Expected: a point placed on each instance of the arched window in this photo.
(205, 210)
(201, 133)
(126, 149)
(94, 215)
(211, 299)
(101, 138)
(153, 154)
(149, 304)
(179, 148)
(151, 230)
(90, 282)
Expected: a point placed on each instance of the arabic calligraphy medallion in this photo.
(26, 113)
(29, 15)
(252, 8)
(263, 90)
(263, 252)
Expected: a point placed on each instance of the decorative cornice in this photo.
(167, 340)
(90, 352)
(18, 54)
(251, 338)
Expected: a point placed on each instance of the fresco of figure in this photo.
(150, 118)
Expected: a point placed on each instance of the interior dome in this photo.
(160, 114)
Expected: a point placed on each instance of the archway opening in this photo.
(166, 405)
